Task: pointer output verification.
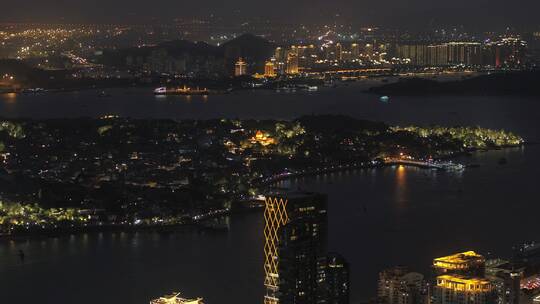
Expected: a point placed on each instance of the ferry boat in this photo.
(185, 90)
(384, 99)
(451, 166)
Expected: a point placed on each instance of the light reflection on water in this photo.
(377, 217)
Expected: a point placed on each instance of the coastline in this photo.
(265, 182)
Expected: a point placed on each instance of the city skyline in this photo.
(279, 152)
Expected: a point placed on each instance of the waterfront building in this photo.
(240, 68)
(505, 279)
(461, 280)
(416, 53)
(294, 232)
(399, 286)
(467, 263)
(292, 63)
(438, 55)
(355, 50)
(339, 51)
(443, 54)
(279, 54)
(528, 256)
(333, 280)
(457, 289)
(176, 299)
(465, 53)
(269, 69)
(510, 52)
(330, 52)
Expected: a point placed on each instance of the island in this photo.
(86, 174)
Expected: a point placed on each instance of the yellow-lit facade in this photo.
(269, 69)
(462, 284)
(176, 299)
(240, 68)
(292, 63)
(275, 216)
(462, 290)
(459, 261)
(262, 139)
(461, 280)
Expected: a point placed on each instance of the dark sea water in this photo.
(377, 218)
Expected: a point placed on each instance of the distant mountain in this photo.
(253, 49)
(250, 47)
(175, 48)
(26, 75)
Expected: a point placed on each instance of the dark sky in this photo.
(386, 12)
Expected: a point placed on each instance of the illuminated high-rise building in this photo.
(461, 280)
(369, 49)
(269, 69)
(510, 52)
(438, 55)
(399, 286)
(240, 68)
(295, 227)
(416, 53)
(333, 280)
(355, 50)
(279, 54)
(339, 51)
(466, 53)
(506, 279)
(467, 263)
(456, 289)
(292, 63)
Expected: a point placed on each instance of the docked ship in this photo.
(185, 90)
(176, 299)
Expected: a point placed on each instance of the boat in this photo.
(33, 91)
(185, 90)
(103, 94)
(450, 166)
(503, 161)
(384, 99)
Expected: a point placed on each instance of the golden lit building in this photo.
(240, 68)
(339, 51)
(461, 280)
(465, 263)
(175, 299)
(455, 289)
(292, 63)
(279, 54)
(269, 69)
(262, 138)
(355, 50)
(293, 235)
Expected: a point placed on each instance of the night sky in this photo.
(384, 12)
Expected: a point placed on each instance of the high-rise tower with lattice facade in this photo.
(295, 236)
